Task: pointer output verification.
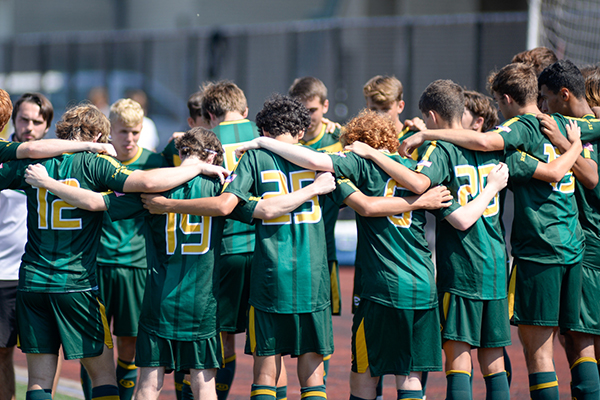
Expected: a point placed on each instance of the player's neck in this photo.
(531, 108)
(580, 108)
(124, 156)
(399, 125)
(287, 138)
(232, 116)
(308, 136)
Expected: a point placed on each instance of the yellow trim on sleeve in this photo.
(430, 149)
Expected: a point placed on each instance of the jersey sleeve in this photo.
(343, 189)
(12, 174)
(171, 154)
(443, 213)
(8, 150)
(347, 164)
(109, 172)
(244, 210)
(241, 179)
(521, 166)
(512, 134)
(435, 165)
(124, 205)
(590, 127)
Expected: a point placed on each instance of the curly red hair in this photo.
(374, 129)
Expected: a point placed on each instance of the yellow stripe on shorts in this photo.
(362, 355)
(446, 304)
(335, 289)
(511, 291)
(251, 331)
(107, 336)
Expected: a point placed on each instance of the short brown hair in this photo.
(307, 88)
(127, 111)
(592, 89)
(482, 106)
(222, 97)
(383, 89)
(372, 128)
(539, 58)
(444, 97)
(46, 109)
(6, 108)
(200, 142)
(517, 80)
(83, 122)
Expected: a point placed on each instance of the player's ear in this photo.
(300, 135)
(191, 122)
(478, 123)
(565, 94)
(434, 116)
(245, 113)
(400, 107)
(325, 106)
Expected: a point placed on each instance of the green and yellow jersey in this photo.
(545, 226)
(289, 272)
(470, 263)
(62, 240)
(180, 300)
(392, 253)
(122, 242)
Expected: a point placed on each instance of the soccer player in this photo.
(562, 87)
(480, 114)
(122, 264)
(554, 254)
(225, 108)
(57, 296)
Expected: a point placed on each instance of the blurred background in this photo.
(65, 48)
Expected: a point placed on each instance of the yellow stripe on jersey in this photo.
(362, 355)
(334, 148)
(237, 121)
(317, 138)
(134, 158)
(511, 291)
(251, 331)
(107, 336)
(430, 149)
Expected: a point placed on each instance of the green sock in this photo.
(45, 394)
(543, 386)
(326, 368)
(507, 366)
(410, 394)
(585, 384)
(313, 393)
(458, 385)
(281, 393)
(379, 388)
(126, 378)
(424, 376)
(263, 392)
(107, 392)
(225, 377)
(496, 386)
(86, 382)
(186, 391)
(178, 378)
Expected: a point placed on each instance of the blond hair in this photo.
(383, 89)
(127, 111)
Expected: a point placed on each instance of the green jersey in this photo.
(62, 240)
(289, 272)
(588, 202)
(171, 154)
(392, 253)
(122, 242)
(237, 237)
(545, 226)
(180, 300)
(8, 150)
(470, 263)
(329, 142)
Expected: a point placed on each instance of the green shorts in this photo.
(336, 292)
(76, 320)
(544, 295)
(175, 355)
(122, 290)
(234, 289)
(397, 342)
(480, 323)
(296, 334)
(356, 289)
(589, 316)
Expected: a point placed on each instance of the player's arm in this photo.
(55, 147)
(298, 155)
(276, 206)
(555, 170)
(464, 217)
(585, 170)
(36, 175)
(488, 141)
(411, 180)
(371, 206)
(216, 206)
(162, 179)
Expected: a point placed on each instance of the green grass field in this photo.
(22, 388)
